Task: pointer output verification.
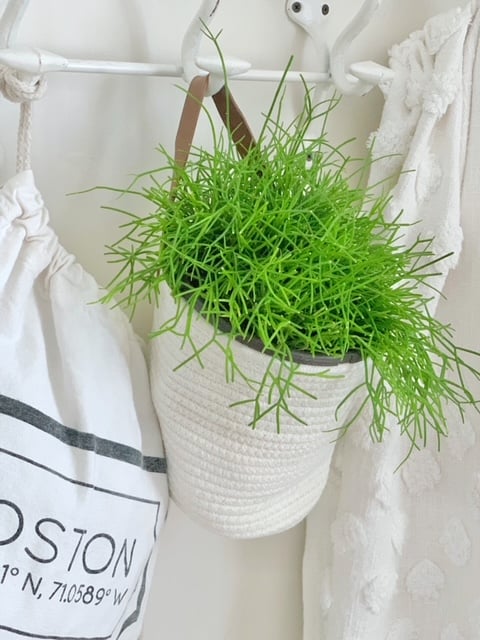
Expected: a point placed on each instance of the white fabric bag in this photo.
(83, 488)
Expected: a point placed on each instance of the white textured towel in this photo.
(396, 556)
(422, 137)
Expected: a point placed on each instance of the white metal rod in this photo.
(121, 68)
(38, 61)
(265, 75)
(173, 71)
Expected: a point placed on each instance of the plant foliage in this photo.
(279, 246)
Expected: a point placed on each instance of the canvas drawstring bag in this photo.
(83, 490)
(234, 480)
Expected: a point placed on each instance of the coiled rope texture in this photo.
(22, 88)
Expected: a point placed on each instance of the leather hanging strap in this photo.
(189, 118)
(234, 120)
(229, 112)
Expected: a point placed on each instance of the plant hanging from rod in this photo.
(277, 248)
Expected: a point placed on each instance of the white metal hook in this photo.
(193, 65)
(313, 17)
(345, 82)
(193, 37)
(10, 21)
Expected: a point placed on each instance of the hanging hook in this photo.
(10, 21)
(193, 37)
(193, 65)
(312, 16)
(345, 82)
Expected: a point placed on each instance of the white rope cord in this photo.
(22, 89)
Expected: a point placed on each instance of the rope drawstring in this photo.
(23, 89)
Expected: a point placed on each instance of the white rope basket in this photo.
(235, 480)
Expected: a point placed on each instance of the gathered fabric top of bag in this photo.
(83, 488)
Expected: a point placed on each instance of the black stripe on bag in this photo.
(80, 439)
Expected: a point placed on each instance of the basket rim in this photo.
(298, 357)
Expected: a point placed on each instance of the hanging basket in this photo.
(235, 480)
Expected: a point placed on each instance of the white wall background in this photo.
(98, 130)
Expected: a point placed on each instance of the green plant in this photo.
(279, 246)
